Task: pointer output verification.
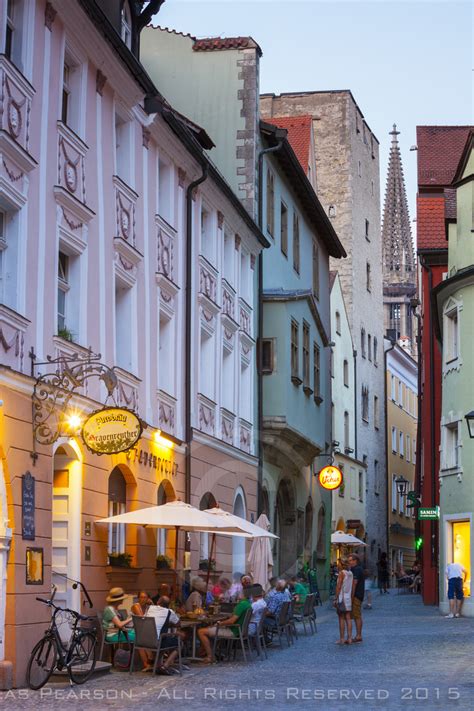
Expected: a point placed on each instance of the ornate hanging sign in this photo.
(111, 430)
(330, 478)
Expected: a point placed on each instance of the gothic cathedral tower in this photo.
(399, 270)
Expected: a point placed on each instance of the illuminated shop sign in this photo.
(111, 430)
(330, 478)
(165, 466)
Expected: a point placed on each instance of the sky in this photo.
(406, 62)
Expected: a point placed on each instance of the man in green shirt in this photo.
(228, 628)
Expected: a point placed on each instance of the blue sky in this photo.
(406, 62)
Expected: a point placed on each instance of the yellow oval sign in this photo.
(330, 478)
(111, 430)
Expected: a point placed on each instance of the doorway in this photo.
(66, 525)
(238, 543)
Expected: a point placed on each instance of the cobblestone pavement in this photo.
(411, 658)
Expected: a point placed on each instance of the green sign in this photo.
(431, 514)
(413, 499)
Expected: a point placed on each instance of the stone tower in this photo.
(399, 271)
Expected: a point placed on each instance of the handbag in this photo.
(340, 606)
(122, 659)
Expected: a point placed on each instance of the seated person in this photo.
(298, 589)
(114, 626)
(164, 617)
(198, 589)
(226, 630)
(275, 599)
(402, 576)
(235, 592)
(163, 591)
(259, 608)
(141, 606)
(220, 591)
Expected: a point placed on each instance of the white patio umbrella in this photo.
(250, 530)
(345, 539)
(176, 515)
(260, 557)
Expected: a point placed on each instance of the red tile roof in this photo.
(299, 135)
(439, 153)
(213, 43)
(430, 217)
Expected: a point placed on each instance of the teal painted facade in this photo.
(455, 307)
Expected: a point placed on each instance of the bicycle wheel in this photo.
(42, 663)
(83, 657)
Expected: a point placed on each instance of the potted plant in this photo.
(163, 562)
(120, 560)
(66, 334)
(205, 564)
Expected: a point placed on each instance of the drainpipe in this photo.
(188, 319)
(389, 483)
(264, 151)
(433, 531)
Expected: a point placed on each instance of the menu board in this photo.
(28, 507)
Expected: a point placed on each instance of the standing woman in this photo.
(343, 601)
(383, 573)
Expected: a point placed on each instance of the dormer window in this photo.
(126, 25)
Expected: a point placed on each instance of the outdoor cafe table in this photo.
(202, 621)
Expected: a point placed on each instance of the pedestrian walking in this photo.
(343, 601)
(358, 590)
(455, 573)
(383, 573)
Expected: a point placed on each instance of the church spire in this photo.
(398, 253)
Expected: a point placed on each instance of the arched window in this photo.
(117, 503)
(321, 542)
(346, 431)
(346, 373)
(164, 496)
(207, 502)
(126, 24)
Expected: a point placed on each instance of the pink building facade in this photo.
(104, 249)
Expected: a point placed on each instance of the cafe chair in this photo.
(240, 640)
(147, 638)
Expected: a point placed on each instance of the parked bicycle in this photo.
(65, 645)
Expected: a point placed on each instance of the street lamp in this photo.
(402, 485)
(470, 423)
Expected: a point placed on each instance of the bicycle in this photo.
(78, 654)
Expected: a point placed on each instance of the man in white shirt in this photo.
(259, 608)
(164, 617)
(455, 574)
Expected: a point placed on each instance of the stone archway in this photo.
(286, 525)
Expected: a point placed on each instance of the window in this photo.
(369, 346)
(267, 356)
(207, 235)
(394, 503)
(284, 228)
(123, 326)
(331, 363)
(123, 148)
(365, 403)
(117, 496)
(367, 235)
(126, 24)
(63, 288)
(401, 504)
(306, 376)
(296, 243)
(13, 33)
(229, 257)
(228, 379)
(166, 354)
(400, 393)
(394, 321)
(376, 412)
(345, 368)
(165, 191)
(361, 486)
(376, 476)
(165, 495)
(407, 451)
(316, 370)
(338, 323)
(394, 440)
(206, 356)
(394, 388)
(401, 445)
(359, 169)
(413, 451)
(450, 451)
(451, 337)
(332, 211)
(246, 283)
(342, 488)
(71, 93)
(346, 431)
(368, 280)
(9, 259)
(270, 203)
(245, 391)
(294, 349)
(362, 342)
(375, 350)
(66, 93)
(315, 270)
(372, 188)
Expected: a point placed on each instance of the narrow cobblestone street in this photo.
(411, 658)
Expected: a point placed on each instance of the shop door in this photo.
(65, 554)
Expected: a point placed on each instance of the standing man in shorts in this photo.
(358, 589)
(455, 574)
